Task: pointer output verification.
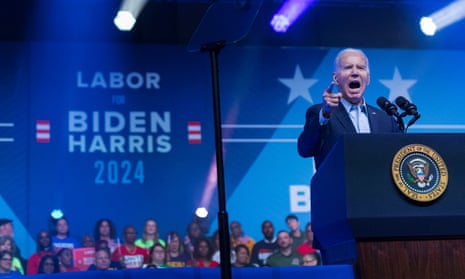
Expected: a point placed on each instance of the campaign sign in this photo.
(83, 258)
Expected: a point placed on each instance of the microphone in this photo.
(409, 109)
(387, 106)
(391, 110)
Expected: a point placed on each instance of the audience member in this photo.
(311, 259)
(265, 247)
(239, 237)
(65, 260)
(194, 233)
(150, 235)
(7, 243)
(217, 250)
(175, 256)
(44, 248)
(307, 246)
(242, 256)
(157, 257)
(128, 254)
(60, 234)
(6, 271)
(102, 260)
(203, 223)
(48, 264)
(298, 236)
(104, 229)
(6, 227)
(285, 255)
(87, 241)
(203, 253)
(101, 244)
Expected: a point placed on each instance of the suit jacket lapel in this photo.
(343, 118)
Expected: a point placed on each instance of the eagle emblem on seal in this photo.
(419, 171)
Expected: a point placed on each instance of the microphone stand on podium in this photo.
(225, 22)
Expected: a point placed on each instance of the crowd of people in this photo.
(56, 248)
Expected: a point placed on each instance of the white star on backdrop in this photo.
(299, 86)
(398, 86)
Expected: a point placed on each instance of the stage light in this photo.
(427, 25)
(444, 17)
(280, 23)
(127, 15)
(57, 214)
(288, 13)
(124, 20)
(201, 212)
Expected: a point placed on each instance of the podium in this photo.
(361, 216)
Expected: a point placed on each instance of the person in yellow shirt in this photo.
(239, 237)
(8, 244)
(150, 235)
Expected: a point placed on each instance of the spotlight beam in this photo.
(288, 13)
(127, 15)
(442, 18)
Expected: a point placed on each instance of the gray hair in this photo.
(342, 52)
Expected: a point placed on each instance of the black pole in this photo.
(223, 224)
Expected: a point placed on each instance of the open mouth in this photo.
(354, 84)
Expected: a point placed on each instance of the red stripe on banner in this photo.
(194, 123)
(43, 131)
(192, 141)
(194, 132)
(46, 122)
(43, 140)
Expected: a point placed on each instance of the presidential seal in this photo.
(419, 173)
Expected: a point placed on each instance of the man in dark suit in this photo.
(343, 112)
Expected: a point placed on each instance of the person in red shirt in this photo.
(128, 254)
(307, 247)
(203, 252)
(44, 248)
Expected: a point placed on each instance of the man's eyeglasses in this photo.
(6, 259)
